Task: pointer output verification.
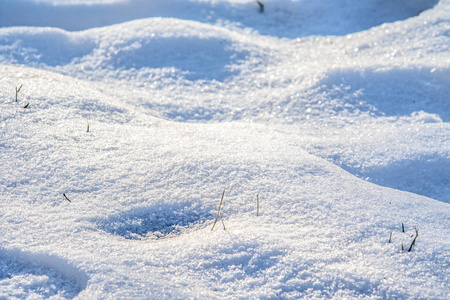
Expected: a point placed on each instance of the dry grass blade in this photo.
(403, 227)
(26, 105)
(87, 130)
(390, 237)
(218, 211)
(257, 205)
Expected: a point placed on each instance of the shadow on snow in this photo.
(281, 18)
(396, 92)
(162, 220)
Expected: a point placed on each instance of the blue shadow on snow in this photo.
(395, 92)
(162, 220)
(196, 58)
(290, 19)
(427, 176)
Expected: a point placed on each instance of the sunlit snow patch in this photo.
(155, 222)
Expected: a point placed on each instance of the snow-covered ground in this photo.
(335, 114)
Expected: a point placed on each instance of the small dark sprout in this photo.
(66, 197)
(87, 130)
(390, 237)
(403, 227)
(414, 241)
(18, 90)
(261, 6)
(26, 105)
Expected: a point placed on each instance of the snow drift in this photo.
(134, 116)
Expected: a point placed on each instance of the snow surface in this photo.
(334, 112)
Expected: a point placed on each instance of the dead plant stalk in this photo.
(257, 205)
(218, 212)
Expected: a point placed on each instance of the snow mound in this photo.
(116, 150)
(148, 49)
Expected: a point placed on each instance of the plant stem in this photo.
(257, 205)
(221, 219)
(218, 211)
(414, 241)
(18, 90)
(261, 6)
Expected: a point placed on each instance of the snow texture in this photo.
(122, 122)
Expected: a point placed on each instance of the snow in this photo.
(335, 113)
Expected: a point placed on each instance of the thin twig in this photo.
(26, 105)
(403, 227)
(66, 197)
(218, 211)
(390, 237)
(87, 130)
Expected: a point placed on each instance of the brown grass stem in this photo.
(218, 211)
(257, 205)
(18, 90)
